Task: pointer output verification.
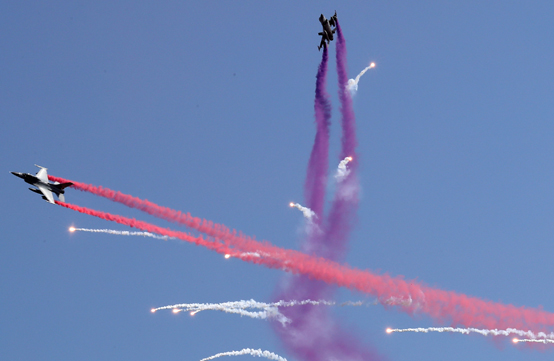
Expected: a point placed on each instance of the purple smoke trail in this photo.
(318, 165)
(345, 202)
(301, 337)
(313, 335)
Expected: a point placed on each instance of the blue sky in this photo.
(208, 108)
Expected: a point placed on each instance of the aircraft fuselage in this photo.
(326, 28)
(34, 181)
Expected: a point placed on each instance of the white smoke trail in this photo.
(352, 85)
(542, 340)
(120, 233)
(269, 310)
(307, 212)
(342, 171)
(237, 307)
(484, 332)
(247, 351)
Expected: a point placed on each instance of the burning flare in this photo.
(542, 340)
(342, 171)
(352, 84)
(307, 212)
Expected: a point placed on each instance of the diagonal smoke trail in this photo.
(409, 296)
(247, 351)
(211, 229)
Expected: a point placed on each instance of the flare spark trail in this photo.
(353, 83)
(120, 233)
(342, 171)
(517, 340)
(131, 222)
(269, 310)
(307, 212)
(248, 351)
(484, 332)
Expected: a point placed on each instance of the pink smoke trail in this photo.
(215, 230)
(410, 296)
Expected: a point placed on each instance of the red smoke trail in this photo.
(215, 230)
(444, 306)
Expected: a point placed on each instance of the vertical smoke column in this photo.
(313, 334)
(345, 202)
(301, 336)
(316, 177)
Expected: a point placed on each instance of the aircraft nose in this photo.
(17, 174)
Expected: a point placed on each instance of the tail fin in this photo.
(65, 185)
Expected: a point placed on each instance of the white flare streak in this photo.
(542, 340)
(248, 351)
(121, 233)
(307, 212)
(352, 85)
(342, 171)
(269, 310)
(484, 332)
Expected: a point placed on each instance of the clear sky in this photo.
(208, 108)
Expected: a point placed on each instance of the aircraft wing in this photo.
(42, 175)
(47, 192)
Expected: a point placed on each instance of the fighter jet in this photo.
(327, 33)
(45, 188)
